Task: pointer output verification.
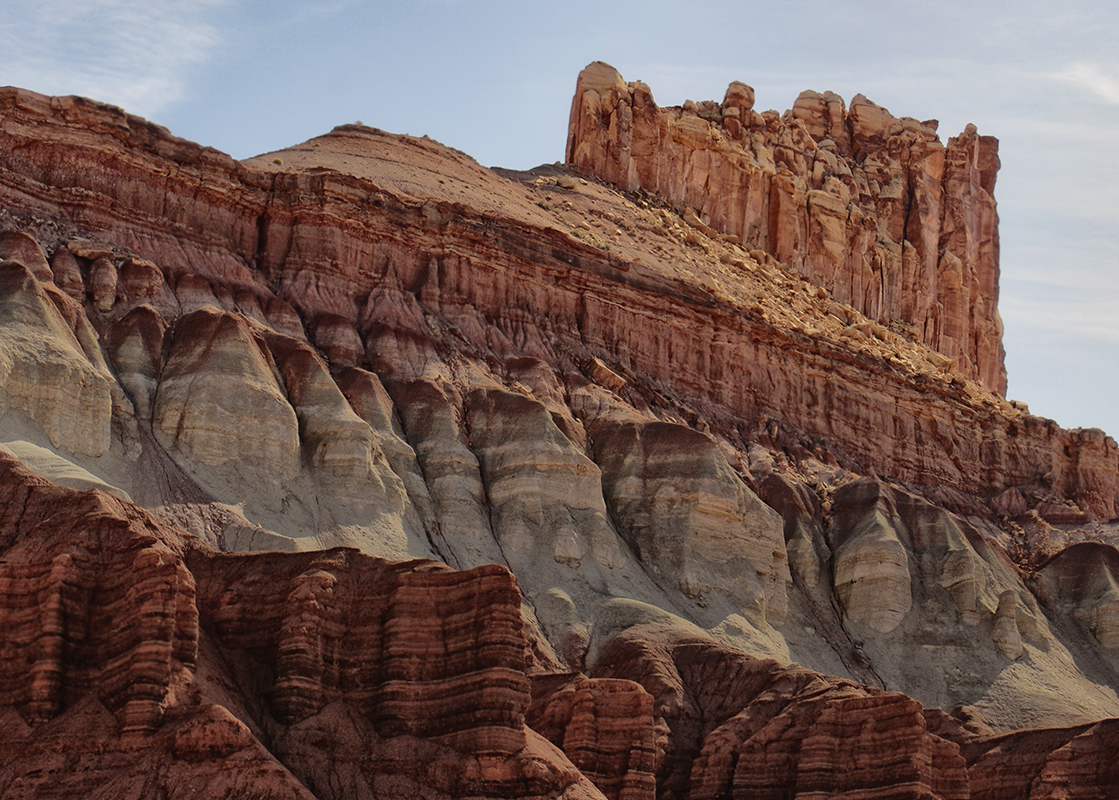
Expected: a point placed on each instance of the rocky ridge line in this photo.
(242, 236)
(874, 209)
(465, 405)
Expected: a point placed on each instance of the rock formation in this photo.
(605, 726)
(398, 677)
(874, 209)
(358, 470)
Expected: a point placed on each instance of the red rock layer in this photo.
(740, 727)
(339, 247)
(420, 649)
(604, 726)
(137, 662)
(95, 604)
(874, 209)
(1066, 763)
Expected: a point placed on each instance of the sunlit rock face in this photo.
(455, 482)
(46, 372)
(1084, 580)
(689, 516)
(219, 403)
(875, 209)
(872, 578)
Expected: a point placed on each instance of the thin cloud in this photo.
(134, 53)
(1092, 78)
(1085, 320)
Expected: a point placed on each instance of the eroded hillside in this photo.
(696, 495)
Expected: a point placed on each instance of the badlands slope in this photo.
(358, 470)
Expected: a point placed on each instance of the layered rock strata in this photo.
(1084, 580)
(743, 728)
(337, 675)
(245, 231)
(874, 209)
(664, 436)
(747, 728)
(243, 237)
(125, 635)
(604, 726)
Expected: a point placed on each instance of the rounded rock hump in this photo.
(45, 372)
(600, 77)
(870, 122)
(739, 95)
(219, 403)
(22, 247)
(599, 93)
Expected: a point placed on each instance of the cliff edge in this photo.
(875, 209)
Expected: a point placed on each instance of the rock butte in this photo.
(681, 471)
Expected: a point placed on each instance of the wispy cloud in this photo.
(1093, 78)
(1085, 320)
(134, 53)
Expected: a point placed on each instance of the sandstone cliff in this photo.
(663, 466)
(874, 209)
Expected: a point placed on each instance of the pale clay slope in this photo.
(922, 606)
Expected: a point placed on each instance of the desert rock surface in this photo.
(683, 470)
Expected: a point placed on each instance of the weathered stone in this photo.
(392, 674)
(593, 398)
(690, 518)
(1005, 633)
(337, 338)
(67, 273)
(90, 249)
(44, 370)
(103, 278)
(135, 345)
(22, 247)
(872, 578)
(1010, 503)
(219, 405)
(1084, 579)
(898, 225)
(604, 726)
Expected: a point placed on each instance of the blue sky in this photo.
(495, 80)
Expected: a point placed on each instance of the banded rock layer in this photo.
(874, 209)
(337, 675)
(327, 674)
(697, 464)
(383, 245)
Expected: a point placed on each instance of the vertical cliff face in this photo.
(663, 467)
(137, 662)
(876, 210)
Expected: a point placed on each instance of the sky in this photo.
(496, 79)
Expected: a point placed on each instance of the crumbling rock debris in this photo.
(876, 210)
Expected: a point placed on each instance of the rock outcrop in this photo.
(1084, 580)
(335, 675)
(690, 518)
(45, 372)
(781, 352)
(740, 727)
(874, 209)
(605, 726)
(151, 665)
(556, 482)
